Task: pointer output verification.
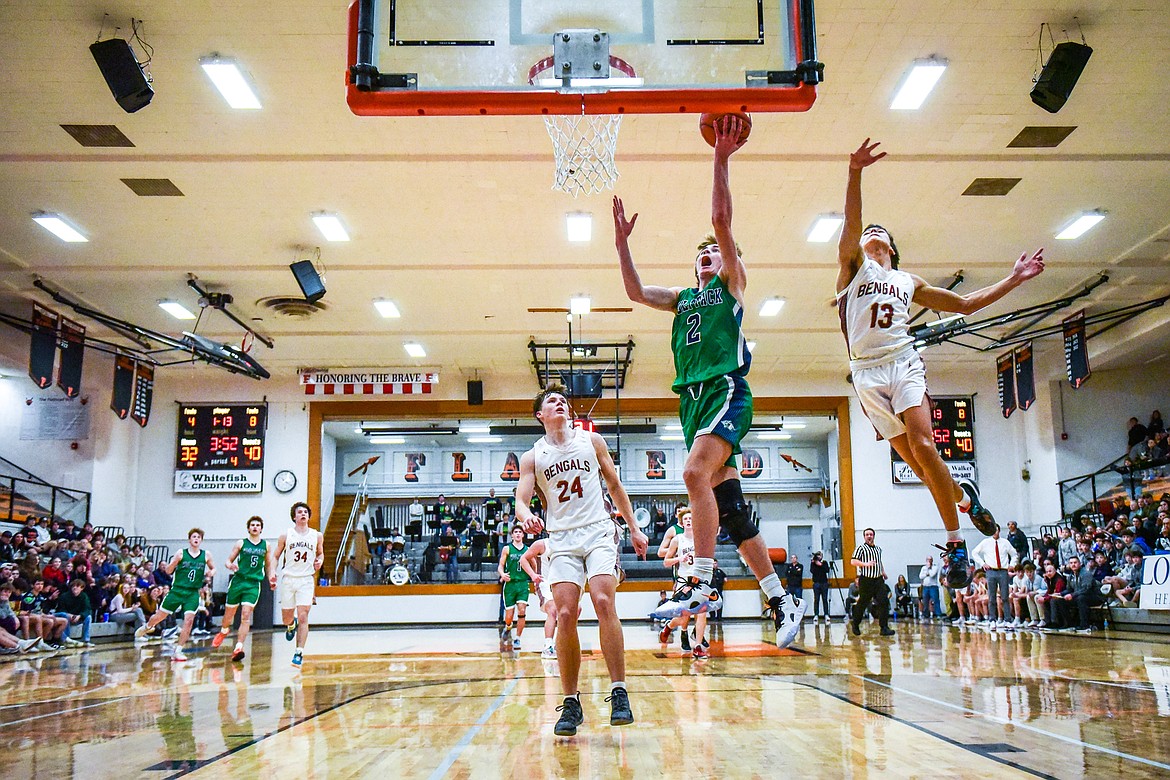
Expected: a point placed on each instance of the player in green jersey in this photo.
(711, 363)
(250, 562)
(516, 581)
(189, 567)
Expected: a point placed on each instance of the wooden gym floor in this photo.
(934, 701)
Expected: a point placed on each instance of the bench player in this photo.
(711, 362)
(566, 466)
(250, 562)
(303, 552)
(889, 377)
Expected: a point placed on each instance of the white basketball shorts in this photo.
(887, 390)
(296, 591)
(580, 554)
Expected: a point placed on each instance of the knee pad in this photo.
(734, 516)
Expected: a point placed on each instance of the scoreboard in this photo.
(220, 448)
(953, 421)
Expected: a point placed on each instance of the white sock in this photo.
(548, 642)
(575, 697)
(225, 631)
(964, 502)
(704, 568)
(300, 649)
(772, 587)
(955, 535)
(239, 645)
(617, 684)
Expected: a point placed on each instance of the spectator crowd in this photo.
(57, 579)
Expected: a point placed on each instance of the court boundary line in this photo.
(949, 740)
(457, 750)
(1018, 724)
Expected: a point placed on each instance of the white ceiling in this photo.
(453, 218)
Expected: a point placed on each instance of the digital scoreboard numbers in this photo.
(221, 448)
(953, 421)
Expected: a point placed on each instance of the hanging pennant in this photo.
(143, 393)
(1006, 381)
(72, 345)
(1076, 349)
(1025, 376)
(43, 350)
(123, 395)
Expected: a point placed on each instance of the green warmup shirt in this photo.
(706, 337)
(252, 561)
(512, 566)
(189, 572)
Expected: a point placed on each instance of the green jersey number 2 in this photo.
(694, 322)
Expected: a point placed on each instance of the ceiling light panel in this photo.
(227, 77)
(917, 84)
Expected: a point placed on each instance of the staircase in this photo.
(334, 531)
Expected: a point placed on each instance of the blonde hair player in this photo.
(303, 552)
(889, 377)
(251, 562)
(711, 361)
(566, 466)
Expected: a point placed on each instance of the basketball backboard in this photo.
(425, 57)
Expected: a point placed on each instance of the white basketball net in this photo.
(584, 148)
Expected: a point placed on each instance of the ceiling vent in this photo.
(288, 306)
(150, 188)
(1040, 137)
(97, 135)
(990, 186)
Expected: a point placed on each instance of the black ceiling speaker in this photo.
(474, 392)
(309, 280)
(1060, 75)
(123, 75)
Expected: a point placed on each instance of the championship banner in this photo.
(72, 344)
(369, 381)
(1076, 349)
(1006, 382)
(143, 393)
(123, 393)
(1025, 376)
(44, 346)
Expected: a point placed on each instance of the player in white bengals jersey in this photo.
(873, 299)
(304, 552)
(566, 466)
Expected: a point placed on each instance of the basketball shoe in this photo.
(219, 637)
(700, 652)
(787, 612)
(620, 713)
(685, 639)
(664, 634)
(297, 659)
(958, 563)
(238, 653)
(571, 717)
(692, 597)
(980, 518)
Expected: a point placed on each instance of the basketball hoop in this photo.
(583, 145)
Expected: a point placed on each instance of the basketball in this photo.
(777, 555)
(707, 126)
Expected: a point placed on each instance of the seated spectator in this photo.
(1130, 541)
(136, 558)
(73, 605)
(1051, 616)
(161, 577)
(967, 599)
(202, 622)
(1101, 567)
(7, 554)
(1026, 587)
(1163, 541)
(103, 567)
(54, 573)
(8, 620)
(852, 596)
(1082, 593)
(149, 599)
(32, 621)
(143, 578)
(125, 608)
(904, 602)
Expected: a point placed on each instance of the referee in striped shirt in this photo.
(867, 558)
